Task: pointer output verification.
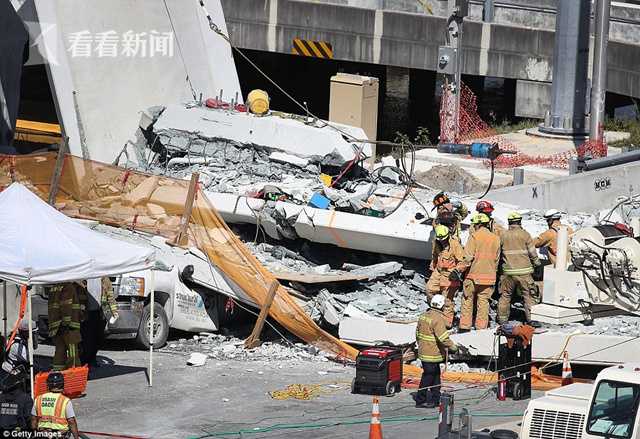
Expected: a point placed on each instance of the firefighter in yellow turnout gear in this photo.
(432, 338)
(519, 256)
(65, 315)
(481, 257)
(53, 411)
(445, 268)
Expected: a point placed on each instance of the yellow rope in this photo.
(304, 392)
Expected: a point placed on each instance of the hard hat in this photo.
(483, 218)
(24, 325)
(437, 301)
(55, 381)
(484, 207)
(442, 232)
(552, 214)
(440, 199)
(514, 216)
(480, 218)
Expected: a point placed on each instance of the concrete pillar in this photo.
(395, 116)
(570, 70)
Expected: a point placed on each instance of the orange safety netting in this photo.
(155, 204)
(472, 128)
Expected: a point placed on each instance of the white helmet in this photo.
(552, 214)
(437, 301)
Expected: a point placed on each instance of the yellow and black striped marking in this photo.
(316, 49)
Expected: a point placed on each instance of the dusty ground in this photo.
(224, 397)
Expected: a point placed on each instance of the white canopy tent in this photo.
(41, 246)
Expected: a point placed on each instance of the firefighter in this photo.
(53, 412)
(549, 239)
(449, 212)
(487, 208)
(92, 328)
(519, 256)
(65, 316)
(432, 338)
(446, 269)
(481, 257)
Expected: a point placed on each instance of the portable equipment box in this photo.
(378, 371)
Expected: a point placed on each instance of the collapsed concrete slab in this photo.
(204, 131)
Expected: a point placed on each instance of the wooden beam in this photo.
(182, 238)
(253, 340)
(57, 172)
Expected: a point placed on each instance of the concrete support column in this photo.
(599, 82)
(395, 116)
(570, 66)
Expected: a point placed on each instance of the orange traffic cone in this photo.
(567, 374)
(375, 429)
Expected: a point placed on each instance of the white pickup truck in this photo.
(190, 293)
(607, 408)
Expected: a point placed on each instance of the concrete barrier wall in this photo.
(587, 192)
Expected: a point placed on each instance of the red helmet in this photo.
(484, 207)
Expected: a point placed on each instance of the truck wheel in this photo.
(160, 323)
(390, 389)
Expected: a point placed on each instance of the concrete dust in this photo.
(450, 178)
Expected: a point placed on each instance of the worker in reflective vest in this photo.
(52, 411)
(519, 256)
(481, 257)
(65, 316)
(433, 338)
(445, 269)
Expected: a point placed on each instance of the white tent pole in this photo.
(152, 304)
(30, 341)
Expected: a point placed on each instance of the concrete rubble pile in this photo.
(228, 347)
(388, 290)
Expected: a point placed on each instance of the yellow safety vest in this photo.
(51, 409)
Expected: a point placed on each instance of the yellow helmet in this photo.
(442, 232)
(480, 218)
(514, 216)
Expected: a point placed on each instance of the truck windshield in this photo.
(613, 410)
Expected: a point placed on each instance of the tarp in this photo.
(39, 245)
(155, 204)
(14, 50)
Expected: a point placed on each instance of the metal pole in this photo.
(30, 340)
(152, 306)
(599, 81)
(487, 11)
(458, 77)
(4, 306)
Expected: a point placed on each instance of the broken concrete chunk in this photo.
(281, 157)
(197, 359)
(379, 270)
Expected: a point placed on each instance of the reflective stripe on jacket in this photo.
(51, 409)
(65, 307)
(481, 255)
(432, 337)
(518, 252)
(444, 260)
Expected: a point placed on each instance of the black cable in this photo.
(493, 169)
